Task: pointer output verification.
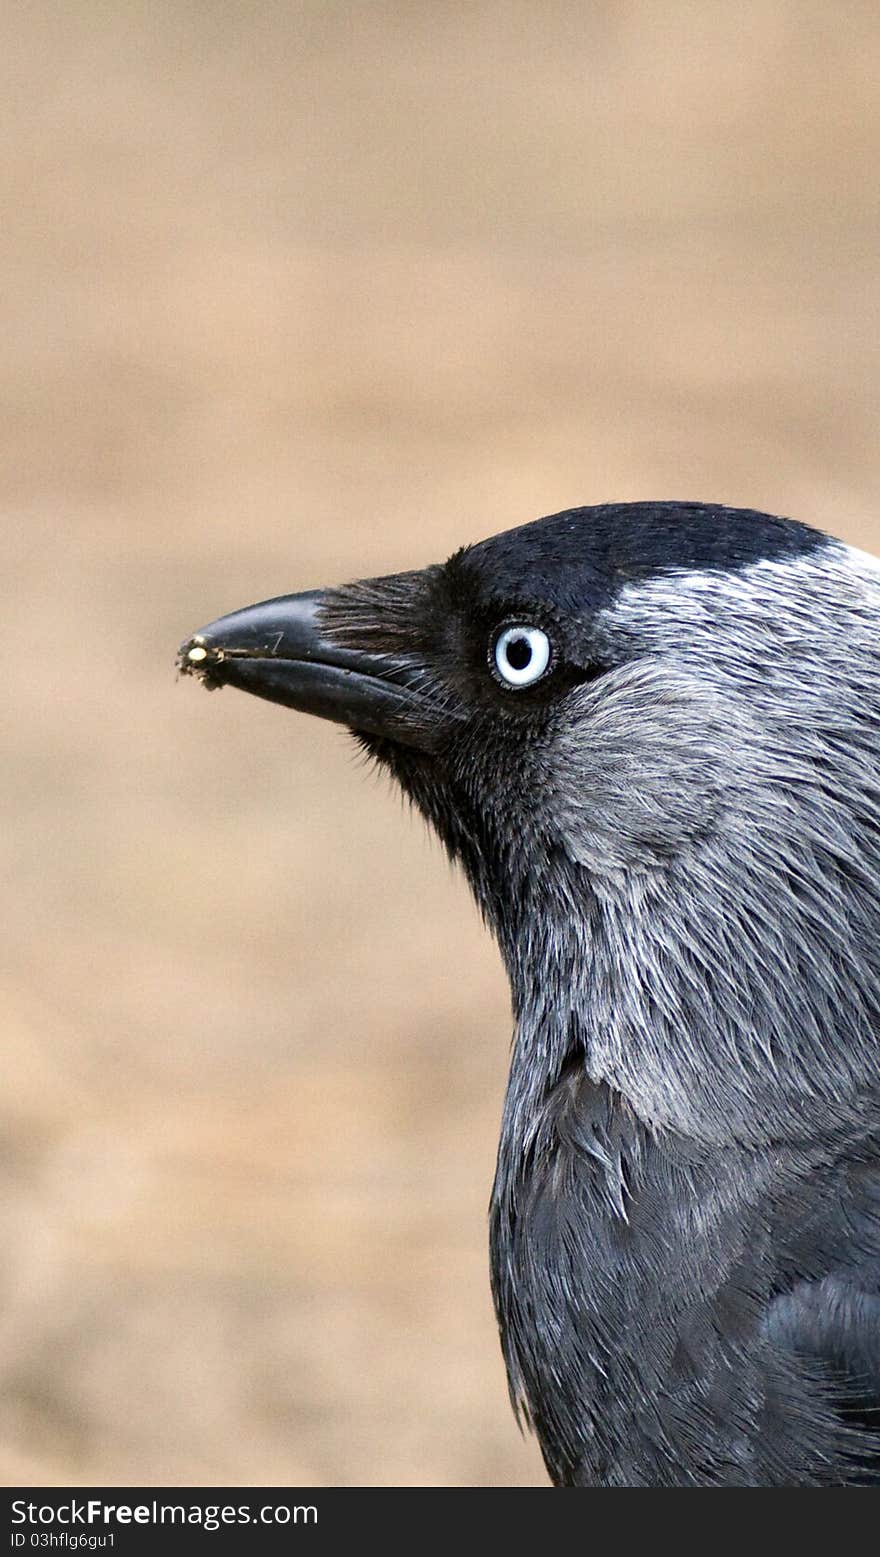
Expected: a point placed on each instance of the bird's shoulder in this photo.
(826, 1310)
(679, 1283)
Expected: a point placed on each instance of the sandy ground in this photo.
(296, 293)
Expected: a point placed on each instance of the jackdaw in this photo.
(650, 733)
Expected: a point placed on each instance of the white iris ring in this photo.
(522, 654)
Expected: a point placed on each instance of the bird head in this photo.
(643, 729)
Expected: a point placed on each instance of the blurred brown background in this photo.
(294, 293)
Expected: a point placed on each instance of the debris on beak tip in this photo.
(196, 659)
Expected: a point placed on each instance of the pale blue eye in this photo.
(521, 655)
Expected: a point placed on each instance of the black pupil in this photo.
(519, 653)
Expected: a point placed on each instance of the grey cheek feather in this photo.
(718, 798)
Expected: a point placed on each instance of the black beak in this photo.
(278, 650)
